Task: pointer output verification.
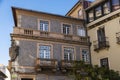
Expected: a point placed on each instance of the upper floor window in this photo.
(90, 16)
(85, 55)
(98, 12)
(68, 53)
(81, 31)
(44, 25)
(101, 34)
(104, 62)
(45, 51)
(106, 8)
(115, 4)
(66, 28)
(80, 13)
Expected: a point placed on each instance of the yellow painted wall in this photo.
(113, 52)
(75, 12)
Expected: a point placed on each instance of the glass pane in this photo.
(115, 4)
(106, 8)
(44, 25)
(68, 53)
(85, 55)
(66, 28)
(81, 31)
(45, 52)
(98, 12)
(90, 14)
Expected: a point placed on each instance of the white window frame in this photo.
(66, 30)
(85, 56)
(39, 24)
(81, 31)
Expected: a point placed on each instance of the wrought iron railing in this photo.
(101, 44)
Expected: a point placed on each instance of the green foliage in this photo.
(82, 71)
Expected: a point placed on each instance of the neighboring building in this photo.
(78, 10)
(44, 45)
(2, 76)
(4, 72)
(103, 24)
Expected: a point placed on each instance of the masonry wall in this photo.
(112, 53)
(28, 51)
(55, 24)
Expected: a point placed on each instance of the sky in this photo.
(60, 7)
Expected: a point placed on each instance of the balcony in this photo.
(98, 45)
(69, 65)
(48, 36)
(46, 64)
(118, 37)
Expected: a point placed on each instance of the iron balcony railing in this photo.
(98, 45)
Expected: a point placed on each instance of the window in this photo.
(66, 29)
(115, 4)
(85, 55)
(101, 35)
(68, 53)
(104, 62)
(98, 12)
(44, 25)
(45, 51)
(106, 8)
(80, 13)
(81, 31)
(90, 14)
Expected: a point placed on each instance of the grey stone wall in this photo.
(31, 22)
(27, 53)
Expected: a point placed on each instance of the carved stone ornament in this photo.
(13, 51)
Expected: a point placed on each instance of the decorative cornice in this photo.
(48, 39)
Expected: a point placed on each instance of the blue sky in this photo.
(6, 19)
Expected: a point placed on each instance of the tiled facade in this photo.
(38, 49)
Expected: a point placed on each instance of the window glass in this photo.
(81, 31)
(106, 8)
(68, 53)
(98, 12)
(104, 62)
(44, 52)
(85, 55)
(91, 17)
(115, 4)
(66, 29)
(44, 25)
(80, 13)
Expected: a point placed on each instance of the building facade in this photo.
(4, 73)
(78, 10)
(44, 46)
(103, 25)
